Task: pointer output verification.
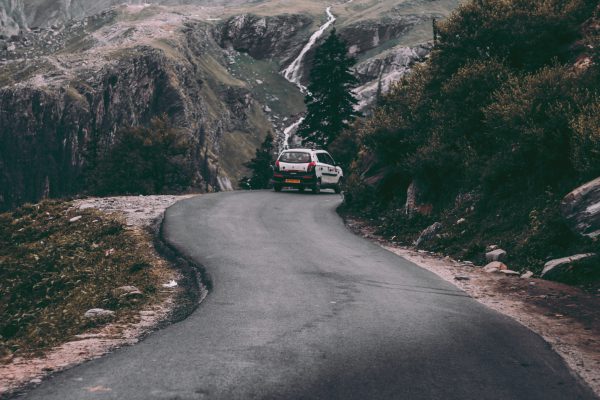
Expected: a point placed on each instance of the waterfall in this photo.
(292, 72)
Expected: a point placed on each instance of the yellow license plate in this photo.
(292, 181)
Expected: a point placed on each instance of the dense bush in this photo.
(261, 166)
(506, 109)
(145, 160)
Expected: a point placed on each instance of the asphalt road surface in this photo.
(303, 309)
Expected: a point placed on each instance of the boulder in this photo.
(495, 266)
(553, 269)
(495, 255)
(428, 233)
(99, 315)
(581, 209)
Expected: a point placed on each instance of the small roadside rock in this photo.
(462, 278)
(509, 272)
(99, 314)
(428, 233)
(553, 269)
(495, 266)
(527, 275)
(75, 219)
(495, 255)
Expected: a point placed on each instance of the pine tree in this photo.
(260, 166)
(329, 101)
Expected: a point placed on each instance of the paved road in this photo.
(303, 309)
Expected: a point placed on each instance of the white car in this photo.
(306, 168)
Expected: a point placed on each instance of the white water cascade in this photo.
(292, 72)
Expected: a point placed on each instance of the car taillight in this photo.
(311, 166)
(277, 165)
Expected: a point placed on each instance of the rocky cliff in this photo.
(60, 110)
(277, 37)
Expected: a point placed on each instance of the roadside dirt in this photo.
(567, 317)
(143, 215)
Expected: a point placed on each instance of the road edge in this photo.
(564, 352)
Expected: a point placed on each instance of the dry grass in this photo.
(54, 268)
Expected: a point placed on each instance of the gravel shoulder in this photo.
(143, 215)
(567, 317)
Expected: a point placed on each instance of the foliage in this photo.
(261, 166)
(505, 109)
(53, 270)
(145, 160)
(329, 101)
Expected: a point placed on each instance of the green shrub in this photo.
(506, 109)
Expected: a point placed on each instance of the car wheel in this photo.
(317, 188)
(277, 188)
(338, 186)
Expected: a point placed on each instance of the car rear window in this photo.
(295, 157)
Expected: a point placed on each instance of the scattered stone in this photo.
(553, 269)
(99, 314)
(171, 284)
(495, 266)
(509, 272)
(128, 293)
(581, 209)
(495, 255)
(461, 221)
(462, 278)
(428, 233)
(527, 275)
(75, 219)
(35, 381)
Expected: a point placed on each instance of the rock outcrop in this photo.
(12, 17)
(581, 209)
(366, 35)
(279, 36)
(377, 74)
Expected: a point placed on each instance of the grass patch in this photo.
(53, 269)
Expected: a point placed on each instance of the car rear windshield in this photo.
(295, 157)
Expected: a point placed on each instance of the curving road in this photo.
(303, 309)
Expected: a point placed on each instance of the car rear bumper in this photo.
(293, 180)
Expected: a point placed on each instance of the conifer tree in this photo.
(260, 166)
(329, 101)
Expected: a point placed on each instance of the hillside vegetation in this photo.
(496, 127)
(57, 262)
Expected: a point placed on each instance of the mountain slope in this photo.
(213, 68)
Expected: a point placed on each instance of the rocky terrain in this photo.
(73, 73)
